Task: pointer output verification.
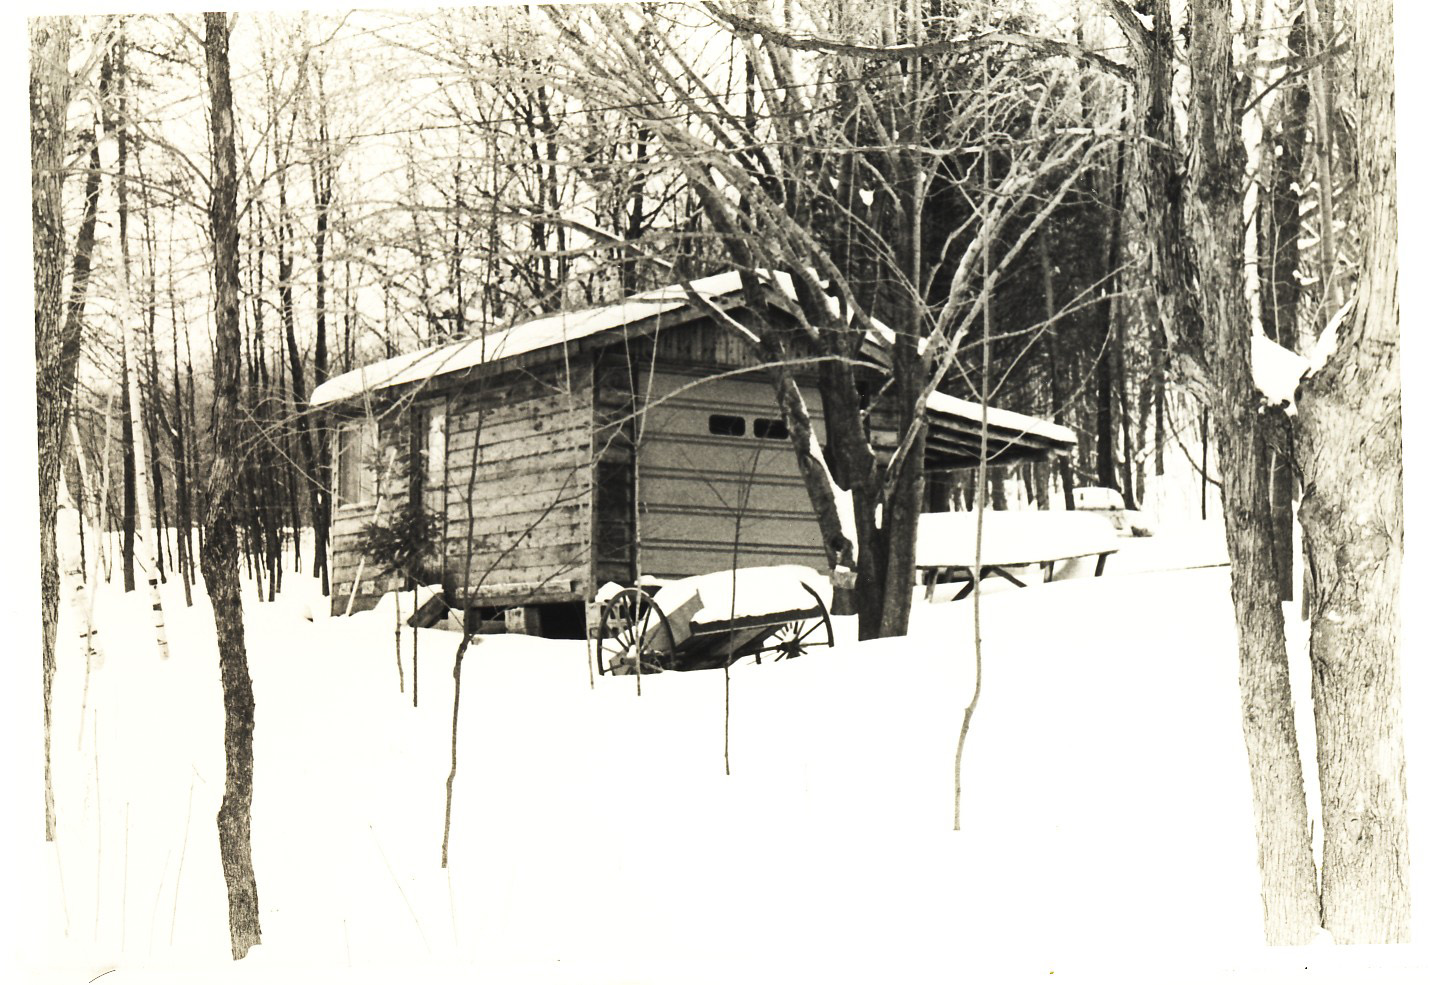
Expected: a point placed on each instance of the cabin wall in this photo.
(675, 499)
(527, 507)
(709, 498)
(389, 462)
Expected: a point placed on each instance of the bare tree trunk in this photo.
(1325, 151)
(1353, 516)
(1109, 358)
(180, 452)
(317, 494)
(49, 102)
(1206, 454)
(319, 483)
(136, 474)
(456, 714)
(1159, 399)
(154, 418)
(1144, 411)
(998, 488)
(1283, 158)
(126, 435)
(1130, 493)
(106, 555)
(1288, 875)
(220, 549)
(1055, 367)
(1195, 229)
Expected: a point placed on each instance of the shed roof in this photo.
(946, 410)
(529, 336)
(954, 422)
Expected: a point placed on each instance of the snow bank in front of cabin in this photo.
(597, 838)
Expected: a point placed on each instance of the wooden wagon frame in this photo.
(634, 635)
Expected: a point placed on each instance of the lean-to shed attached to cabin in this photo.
(617, 442)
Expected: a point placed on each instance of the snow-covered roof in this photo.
(570, 326)
(1002, 419)
(529, 336)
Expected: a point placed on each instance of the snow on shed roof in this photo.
(570, 326)
(1003, 419)
(529, 336)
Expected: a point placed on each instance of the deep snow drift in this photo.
(597, 838)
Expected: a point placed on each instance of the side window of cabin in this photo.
(434, 460)
(733, 426)
(356, 448)
(770, 427)
(436, 449)
(729, 425)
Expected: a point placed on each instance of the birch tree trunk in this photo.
(149, 532)
(220, 546)
(1353, 518)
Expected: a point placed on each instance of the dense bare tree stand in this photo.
(220, 547)
(1353, 517)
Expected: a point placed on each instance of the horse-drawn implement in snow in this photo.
(712, 621)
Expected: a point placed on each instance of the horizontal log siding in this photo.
(531, 499)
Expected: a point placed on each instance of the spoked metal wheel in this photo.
(632, 628)
(795, 638)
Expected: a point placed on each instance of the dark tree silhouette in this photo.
(220, 547)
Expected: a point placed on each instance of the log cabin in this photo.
(624, 442)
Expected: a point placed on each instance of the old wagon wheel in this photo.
(632, 627)
(794, 639)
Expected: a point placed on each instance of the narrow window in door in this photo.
(769, 427)
(727, 425)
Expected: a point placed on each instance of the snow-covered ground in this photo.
(597, 837)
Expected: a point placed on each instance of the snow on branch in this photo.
(1277, 372)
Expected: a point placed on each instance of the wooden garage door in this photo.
(718, 479)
